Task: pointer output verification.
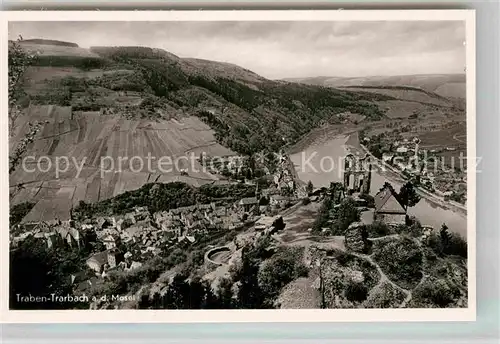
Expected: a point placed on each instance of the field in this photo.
(404, 109)
(449, 143)
(449, 137)
(107, 155)
(452, 89)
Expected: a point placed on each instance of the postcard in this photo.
(239, 166)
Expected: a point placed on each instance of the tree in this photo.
(277, 272)
(345, 214)
(19, 211)
(389, 186)
(323, 215)
(408, 195)
(309, 187)
(279, 224)
(19, 61)
(452, 243)
(250, 295)
(376, 150)
(224, 294)
(264, 201)
(356, 292)
(39, 271)
(336, 191)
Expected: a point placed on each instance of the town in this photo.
(128, 241)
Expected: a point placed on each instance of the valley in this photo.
(160, 177)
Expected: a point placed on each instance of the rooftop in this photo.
(386, 201)
(248, 200)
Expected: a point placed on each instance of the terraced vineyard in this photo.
(110, 150)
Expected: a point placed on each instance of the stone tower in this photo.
(357, 174)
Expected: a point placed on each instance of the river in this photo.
(325, 155)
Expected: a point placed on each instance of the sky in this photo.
(278, 50)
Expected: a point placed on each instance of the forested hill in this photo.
(248, 112)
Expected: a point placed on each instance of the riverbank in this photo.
(312, 162)
(318, 135)
(354, 146)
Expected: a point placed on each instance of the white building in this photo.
(402, 150)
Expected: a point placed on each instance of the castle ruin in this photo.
(357, 174)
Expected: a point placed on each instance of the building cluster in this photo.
(125, 242)
(403, 155)
(282, 179)
(425, 168)
(357, 182)
(198, 218)
(128, 240)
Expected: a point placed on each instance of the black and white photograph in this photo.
(205, 164)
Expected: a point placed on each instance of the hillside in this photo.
(49, 42)
(248, 112)
(94, 147)
(410, 93)
(135, 102)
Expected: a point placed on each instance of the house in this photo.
(111, 241)
(135, 265)
(402, 150)
(123, 224)
(39, 235)
(86, 227)
(186, 240)
(388, 208)
(264, 222)
(127, 255)
(401, 166)
(314, 198)
(101, 261)
(248, 203)
(141, 210)
(133, 231)
(53, 240)
(279, 201)
(77, 277)
(70, 235)
(386, 157)
(102, 223)
(211, 110)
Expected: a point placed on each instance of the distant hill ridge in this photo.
(445, 85)
(50, 42)
(409, 88)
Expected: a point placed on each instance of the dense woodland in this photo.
(250, 115)
(159, 197)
